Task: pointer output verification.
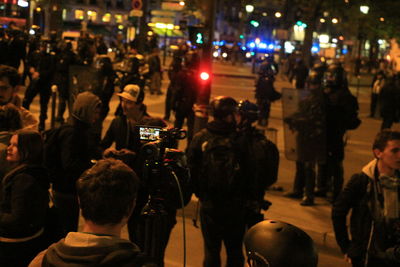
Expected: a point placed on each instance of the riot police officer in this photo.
(42, 71)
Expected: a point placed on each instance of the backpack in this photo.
(266, 157)
(261, 162)
(220, 177)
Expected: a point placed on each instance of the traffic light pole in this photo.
(208, 8)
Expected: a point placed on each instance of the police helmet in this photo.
(273, 243)
(335, 77)
(222, 106)
(248, 110)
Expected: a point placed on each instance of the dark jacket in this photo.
(360, 197)
(24, 201)
(75, 150)
(196, 165)
(341, 115)
(389, 99)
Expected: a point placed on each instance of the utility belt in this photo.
(21, 239)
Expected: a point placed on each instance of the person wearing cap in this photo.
(123, 133)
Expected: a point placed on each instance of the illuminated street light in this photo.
(382, 19)
(278, 14)
(322, 20)
(324, 38)
(249, 8)
(264, 14)
(335, 20)
(181, 3)
(364, 9)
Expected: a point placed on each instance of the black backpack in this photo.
(220, 167)
(265, 156)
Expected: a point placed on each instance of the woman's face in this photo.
(12, 150)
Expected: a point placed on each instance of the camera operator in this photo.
(125, 134)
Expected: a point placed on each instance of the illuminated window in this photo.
(79, 14)
(118, 18)
(107, 17)
(64, 14)
(92, 15)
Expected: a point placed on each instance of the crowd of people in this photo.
(49, 177)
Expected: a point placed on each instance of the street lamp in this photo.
(249, 8)
(278, 14)
(335, 20)
(364, 9)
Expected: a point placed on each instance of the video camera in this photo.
(166, 177)
(158, 139)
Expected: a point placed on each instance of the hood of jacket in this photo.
(84, 107)
(369, 169)
(78, 249)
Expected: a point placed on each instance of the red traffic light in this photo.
(204, 76)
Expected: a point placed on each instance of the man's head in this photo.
(386, 149)
(334, 78)
(223, 108)
(132, 100)
(9, 79)
(107, 192)
(277, 244)
(10, 119)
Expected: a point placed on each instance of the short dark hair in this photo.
(107, 191)
(10, 73)
(383, 137)
(30, 146)
(10, 119)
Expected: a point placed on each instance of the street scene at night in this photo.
(200, 133)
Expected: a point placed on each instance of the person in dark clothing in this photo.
(186, 94)
(389, 101)
(155, 71)
(261, 161)
(299, 74)
(264, 92)
(42, 77)
(107, 194)
(16, 46)
(378, 83)
(124, 134)
(101, 47)
(175, 75)
(75, 157)
(310, 124)
(61, 78)
(341, 116)
(222, 211)
(371, 197)
(24, 201)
